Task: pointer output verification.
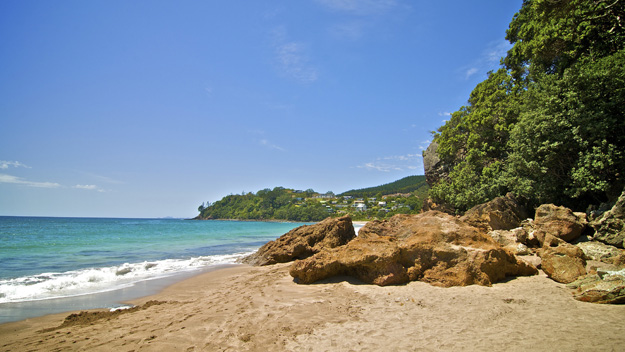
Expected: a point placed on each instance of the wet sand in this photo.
(261, 309)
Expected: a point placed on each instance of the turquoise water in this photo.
(50, 258)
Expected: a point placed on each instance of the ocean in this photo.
(53, 265)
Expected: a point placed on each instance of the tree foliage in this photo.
(549, 125)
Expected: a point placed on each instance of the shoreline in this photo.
(114, 298)
(248, 308)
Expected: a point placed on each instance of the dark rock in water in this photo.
(610, 227)
(122, 272)
(304, 241)
(434, 168)
(432, 247)
(501, 213)
(560, 222)
(561, 261)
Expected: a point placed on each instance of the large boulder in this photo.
(601, 287)
(304, 241)
(558, 221)
(610, 227)
(561, 261)
(501, 213)
(433, 247)
(434, 168)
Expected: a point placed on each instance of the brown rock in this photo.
(304, 241)
(598, 251)
(604, 287)
(433, 247)
(561, 261)
(560, 222)
(501, 213)
(610, 227)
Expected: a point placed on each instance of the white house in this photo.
(360, 205)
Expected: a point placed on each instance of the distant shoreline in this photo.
(257, 220)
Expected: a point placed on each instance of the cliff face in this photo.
(434, 168)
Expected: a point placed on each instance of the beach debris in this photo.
(304, 241)
(433, 247)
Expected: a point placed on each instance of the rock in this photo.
(434, 168)
(610, 227)
(560, 222)
(603, 287)
(528, 235)
(304, 241)
(599, 251)
(429, 204)
(561, 261)
(504, 238)
(433, 247)
(510, 239)
(501, 213)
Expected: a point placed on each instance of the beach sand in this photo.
(246, 308)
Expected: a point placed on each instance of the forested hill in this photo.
(405, 185)
(404, 196)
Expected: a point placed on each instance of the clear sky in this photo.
(149, 108)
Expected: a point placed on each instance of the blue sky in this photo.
(149, 108)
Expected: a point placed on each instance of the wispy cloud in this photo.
(4, 178)
(259, 138)
(393, 163)
(104, 179)
(293, 58)
(267, 144)
(6, 164)
(470, 72)
(488, 60)
(89, 188)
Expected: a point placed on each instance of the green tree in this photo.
(474, 142)
(569, 144)
(549, 126)
(549, 36)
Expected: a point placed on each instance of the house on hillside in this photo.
(360, 205)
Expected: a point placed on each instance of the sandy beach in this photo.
(261, 309)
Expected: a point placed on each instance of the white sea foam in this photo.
(92, 280)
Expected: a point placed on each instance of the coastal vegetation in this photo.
(404, 196)
(549, 125)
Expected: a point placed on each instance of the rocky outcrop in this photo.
(600, 252)
(304, 241)
(432, 247)
(501, 213)
(557, 221)
(602, 287)
(610, 227)
(561, 261)
(434, 168)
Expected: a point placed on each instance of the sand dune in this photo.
(261, 309)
